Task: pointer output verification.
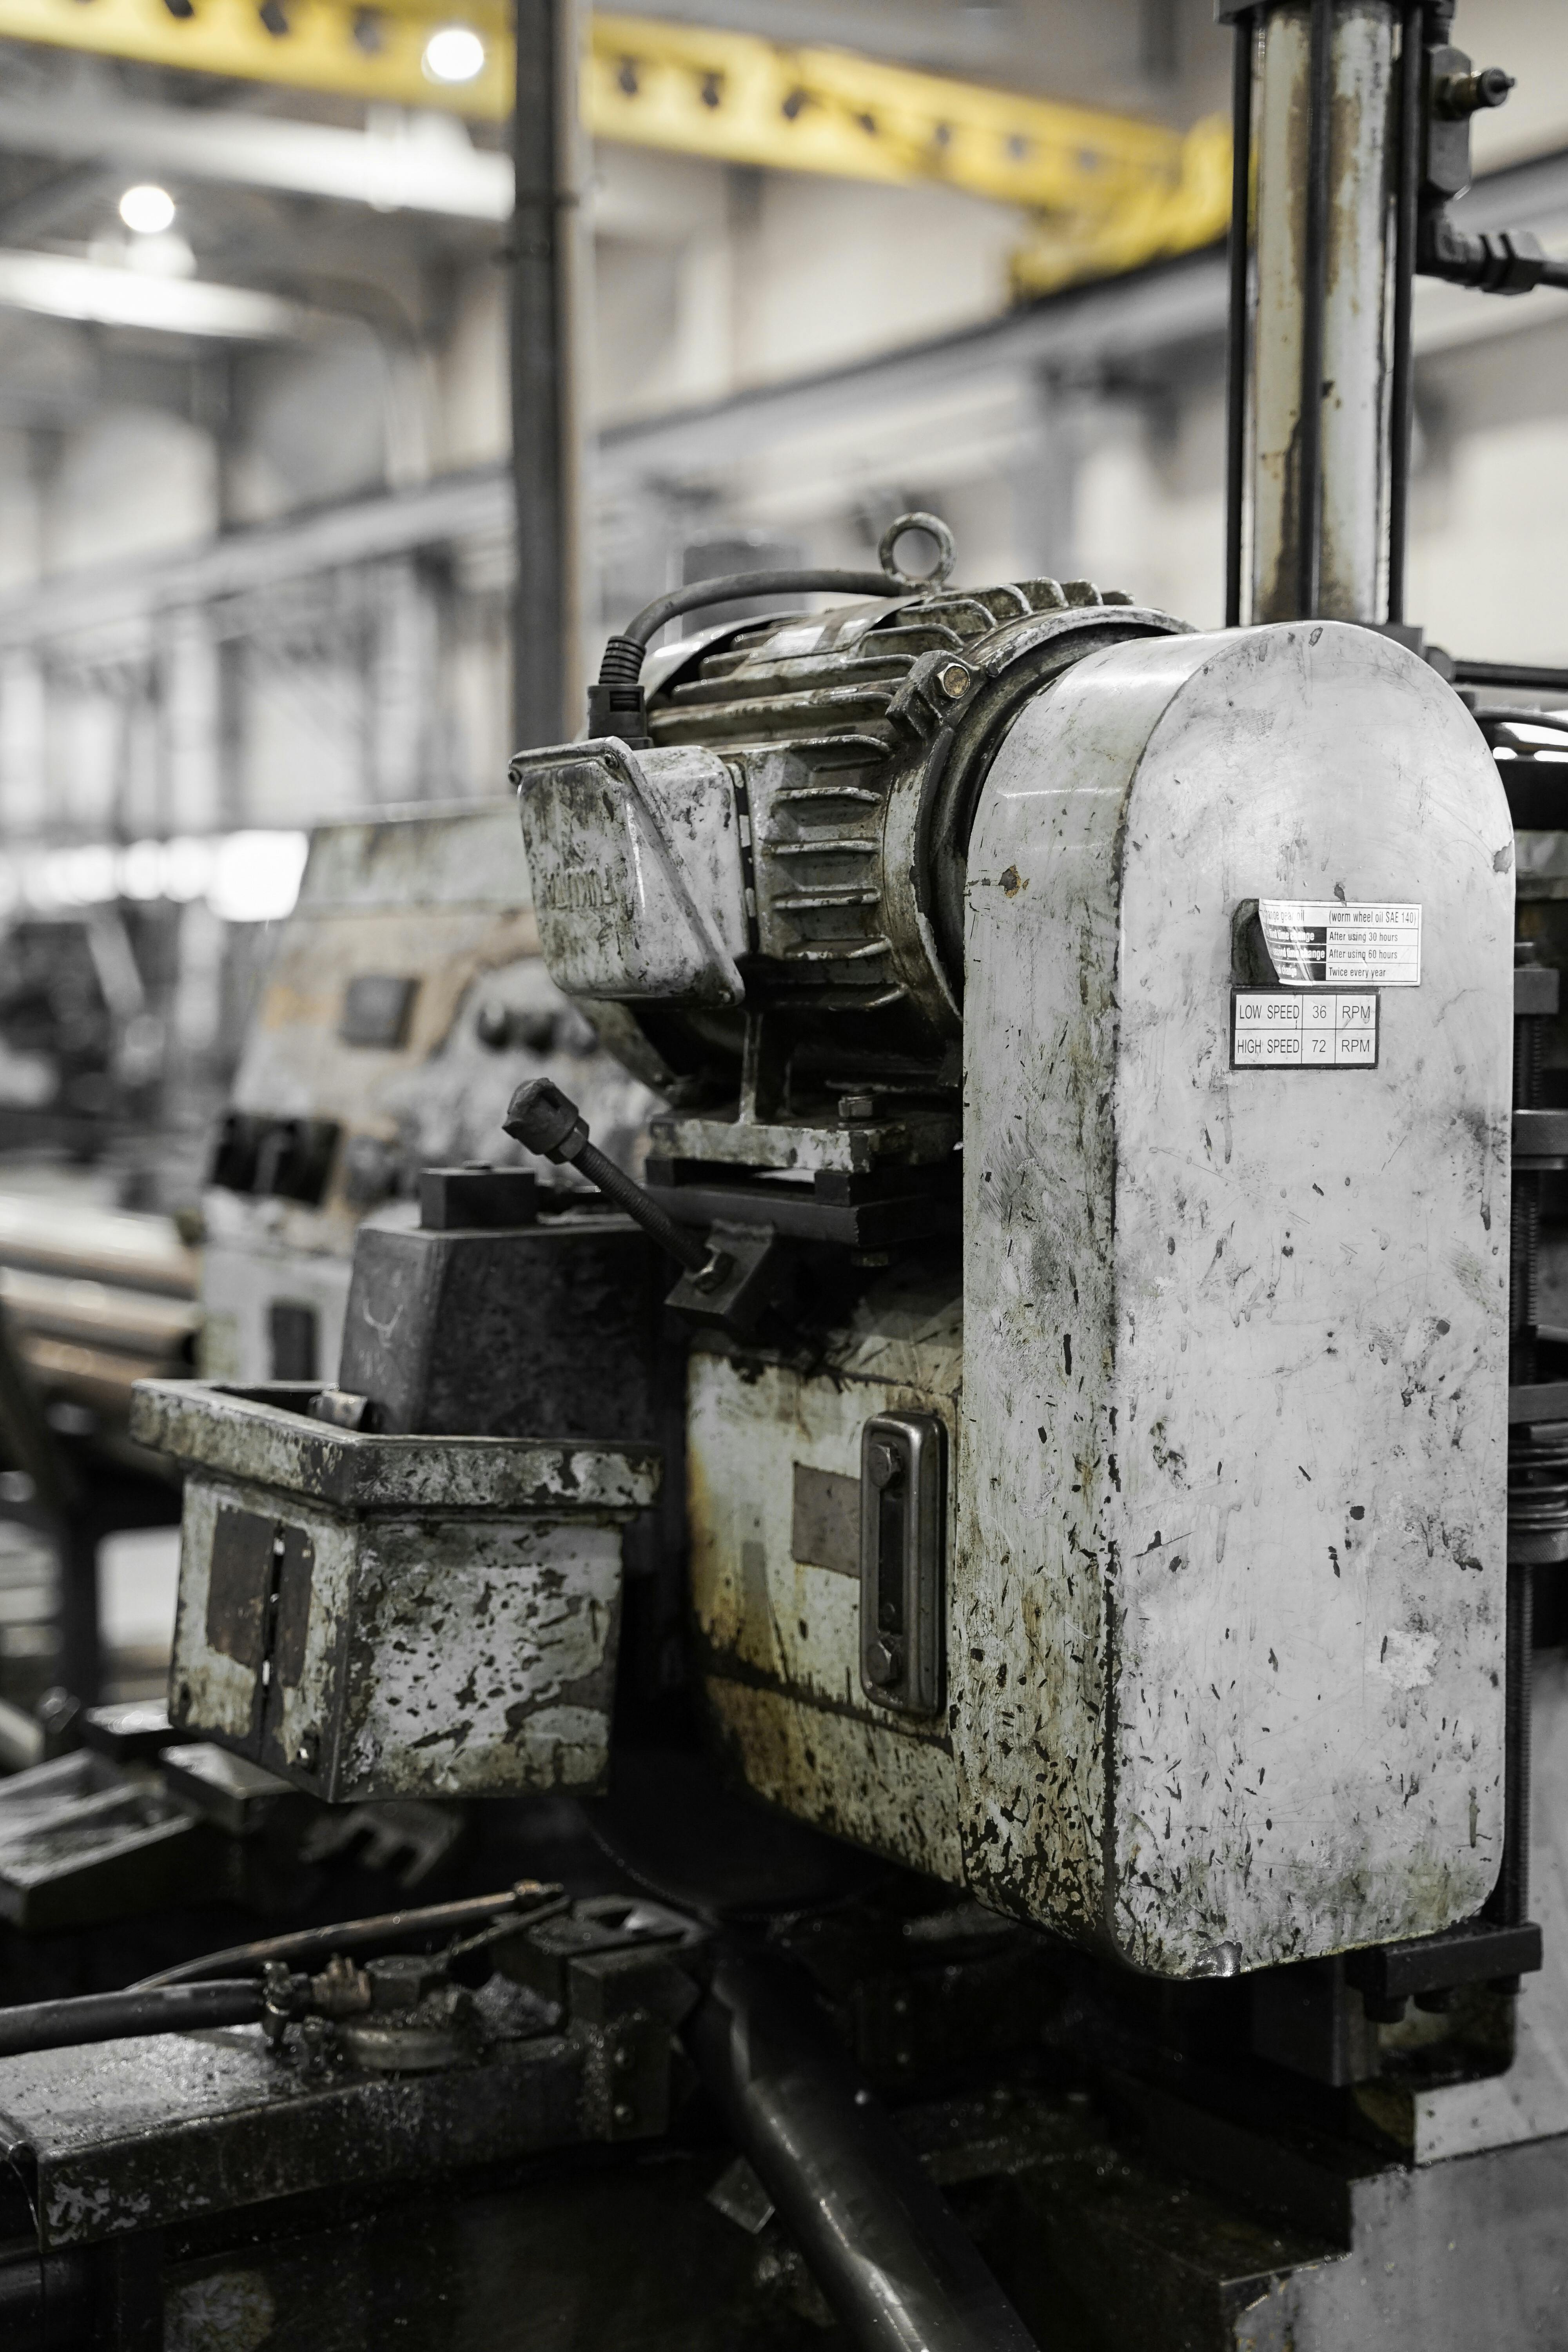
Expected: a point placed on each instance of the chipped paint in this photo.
(1231, 1506)
(780, 1637)
(635, 861)
(263, 1433)
(441, 1615)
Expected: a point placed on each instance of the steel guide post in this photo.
(1317, 330)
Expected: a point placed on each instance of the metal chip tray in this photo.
(377, 1617)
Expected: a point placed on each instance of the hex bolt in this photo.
(884, 1463)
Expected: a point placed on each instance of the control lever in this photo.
(544, 1120)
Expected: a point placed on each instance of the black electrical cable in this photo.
(615, 704)
(436, 1919)
(732, 586)
(113, 2016)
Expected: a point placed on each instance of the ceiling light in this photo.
(147, 210)
(454, 53)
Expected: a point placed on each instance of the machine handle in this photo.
(544, 1120)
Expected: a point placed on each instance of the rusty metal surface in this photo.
(779, 852)
(382, 1617)
(548, 1330)
(428, 1656)
(1227, 1644)
(566, 2040)
(781, 1631)
(262, 1435)
(131, 2136)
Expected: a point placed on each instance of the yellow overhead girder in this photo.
(373, 53)
(1109, 193)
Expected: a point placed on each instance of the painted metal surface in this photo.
(781, 1633)
(132, 2134)
(776, 882)
(636, 860)
(394, 1616)
(1227, 1642)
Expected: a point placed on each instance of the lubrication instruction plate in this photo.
(1325, 943)
(1304, 1029)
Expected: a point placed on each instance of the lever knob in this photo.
(544, 1120)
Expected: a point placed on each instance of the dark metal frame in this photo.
(1246, 40)
(543, 452)
(1315, 276)
(1401, 389)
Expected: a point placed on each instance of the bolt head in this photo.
(884, 1661)
(857, 1107)
(884, 1463)
(954, 679)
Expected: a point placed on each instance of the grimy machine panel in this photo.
(1067, 1413)
(1217, 1376)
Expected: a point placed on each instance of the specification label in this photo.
(1317, 943)
(1304, 1029)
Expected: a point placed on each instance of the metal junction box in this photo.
(394, 1616)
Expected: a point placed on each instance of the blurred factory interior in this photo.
(257, 549)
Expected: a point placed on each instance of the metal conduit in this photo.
(881, 2241)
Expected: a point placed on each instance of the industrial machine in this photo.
(405, 1002)
(995, 1556)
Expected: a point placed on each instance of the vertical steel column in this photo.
(546, 377)
(1315, 209)
(1402, 394)
(1237, 370)
(1318, 358)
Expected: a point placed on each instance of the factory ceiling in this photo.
(1104, 190)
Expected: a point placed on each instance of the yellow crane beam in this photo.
(1108, 192)
(375, 53)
